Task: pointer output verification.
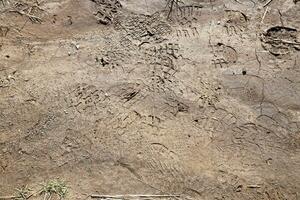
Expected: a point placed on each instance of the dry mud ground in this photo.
(126, 97)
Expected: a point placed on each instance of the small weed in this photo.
(55, 187)
(23, 193)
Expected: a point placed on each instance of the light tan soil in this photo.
(125, 97)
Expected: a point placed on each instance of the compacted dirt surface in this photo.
(195, 98)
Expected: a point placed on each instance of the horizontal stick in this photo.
(15, 197)
(254, 186)
(8, 197)
(287, 42)
(267, 3)
(131, 196)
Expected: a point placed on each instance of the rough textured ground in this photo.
(125, 97)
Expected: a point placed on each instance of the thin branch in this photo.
(33, 18)
(8, 197)
(132, 196)
(262, 19)
(267, 3)
(286, 41)
(172, 5)
(171, 8)
(16, 197)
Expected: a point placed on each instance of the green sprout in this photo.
(23, 193)
(55, 187)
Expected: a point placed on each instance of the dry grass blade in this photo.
(22, 193)
(267, 3)
(133, 196)
(33, 18)
(52, 187)
(173, 5)
(27, 10)
(7, 197)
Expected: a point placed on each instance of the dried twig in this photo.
(254, 186)
(286, 41)
(132, 196)
(33, 18)
(17, 197)
(8, 197)
(258, 60)
(268, 2)
(171, 5)
(262, 19)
